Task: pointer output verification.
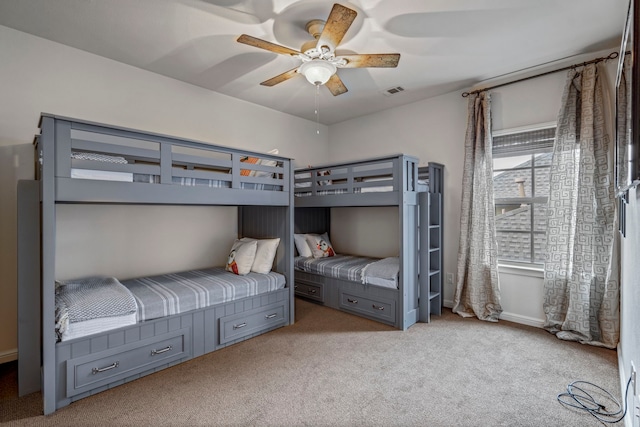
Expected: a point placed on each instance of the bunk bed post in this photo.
(28, 287)
(289, 253)
(51, 132)
(408, 300)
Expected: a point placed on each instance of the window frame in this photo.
(531, 263)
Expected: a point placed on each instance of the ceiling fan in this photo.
(319, 59)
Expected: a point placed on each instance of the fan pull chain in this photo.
(317, 111)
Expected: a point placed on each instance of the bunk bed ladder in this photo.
(431, 252)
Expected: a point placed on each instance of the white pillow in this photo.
(241, 257)
(302, 246)
(265, 254)
(320, 245)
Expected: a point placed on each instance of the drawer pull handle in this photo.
(352, 301)
(164, 350)
(378, 307)
(295, 287)
(241, 325)
(270, 316)
(106, 368)
(312, 291)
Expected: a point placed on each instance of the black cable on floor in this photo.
(577, 397)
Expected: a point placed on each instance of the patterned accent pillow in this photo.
(241, 257)
(247, 172)
(302, 246)
(326, 181)
(320, 245)
(265, 254)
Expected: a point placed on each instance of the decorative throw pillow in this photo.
(265, 254)
(302, 246)
(326, 181)
(320, 245)
(241, 257)
(247, 172)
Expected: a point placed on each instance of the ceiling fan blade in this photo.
(263, 44)
(280, 77)
(371, 60)
(338, 22)
(335, 85)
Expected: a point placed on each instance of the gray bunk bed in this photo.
(386, 181)
(160, 170)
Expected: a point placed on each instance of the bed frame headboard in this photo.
(266, 222)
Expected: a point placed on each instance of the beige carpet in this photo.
(332, 368)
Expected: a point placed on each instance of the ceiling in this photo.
(445, 45)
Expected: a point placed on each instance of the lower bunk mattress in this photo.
(369, 271)
(96, 304)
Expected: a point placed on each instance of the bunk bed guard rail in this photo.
(99, 163)
(389, 177)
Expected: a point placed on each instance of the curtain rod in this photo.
(612, 55)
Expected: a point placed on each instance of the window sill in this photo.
(522, 270)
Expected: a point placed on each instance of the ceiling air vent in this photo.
(393, 90)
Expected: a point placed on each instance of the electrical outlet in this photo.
(449, 278)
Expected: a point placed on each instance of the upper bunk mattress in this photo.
(168, 294)
(371, 271)
(108, 175)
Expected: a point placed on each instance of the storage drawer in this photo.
(314, 279)
(309, 290)
(101, 368)
(379, 309)
(250, 322)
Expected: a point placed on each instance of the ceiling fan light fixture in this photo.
(317, 71)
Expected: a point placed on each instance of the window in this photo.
(521, 164)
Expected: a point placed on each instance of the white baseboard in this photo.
(9, 355)
(624, 377)
(510, 317)
(523, 320)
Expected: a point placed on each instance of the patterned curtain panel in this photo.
(478, 290)
(581, 284)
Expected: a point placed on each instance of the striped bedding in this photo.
(104, 175)
(168, 294)
(201, 182)
(154, 179)
(345, 267)
(98, 304)
(365, 270)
